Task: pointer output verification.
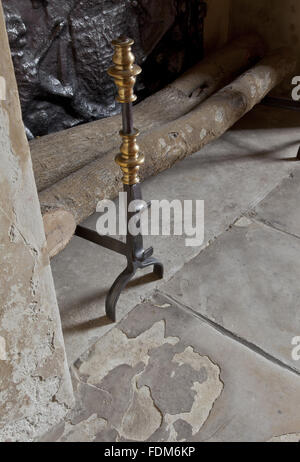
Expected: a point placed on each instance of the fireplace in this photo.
(61, 51)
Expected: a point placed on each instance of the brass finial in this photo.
(124, 71)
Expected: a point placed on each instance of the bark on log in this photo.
(58, 155)
(80, 192)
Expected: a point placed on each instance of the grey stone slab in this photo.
(163, 374)
(231, 175)
(247, 282)
(281, 208)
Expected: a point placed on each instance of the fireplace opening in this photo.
(61, 52)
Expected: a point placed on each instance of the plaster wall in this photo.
(35, 386)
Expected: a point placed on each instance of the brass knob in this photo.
(124, 71)
(130, 160)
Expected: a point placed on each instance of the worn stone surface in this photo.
(281, 209)
(167, 389)
(170, 384)
(258, 149)
(35, 388)
(247, 283)
(169, 376)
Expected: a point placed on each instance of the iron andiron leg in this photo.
(137, 256)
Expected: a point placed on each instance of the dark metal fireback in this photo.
(62, 49)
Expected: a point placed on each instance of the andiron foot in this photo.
(122, 281)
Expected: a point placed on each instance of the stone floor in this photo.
(206, 354)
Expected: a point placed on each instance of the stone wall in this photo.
(216, 25)
(35, 387)
(276, 21)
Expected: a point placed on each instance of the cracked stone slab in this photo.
(258, 148)
(281, 208)
(166, 375)
(165, 382)
(247, 282)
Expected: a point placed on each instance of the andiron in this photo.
(124, 72)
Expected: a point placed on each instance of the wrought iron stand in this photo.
(130, 160)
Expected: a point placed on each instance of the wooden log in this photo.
(59, 225)
(58, 155)
(80, 192)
